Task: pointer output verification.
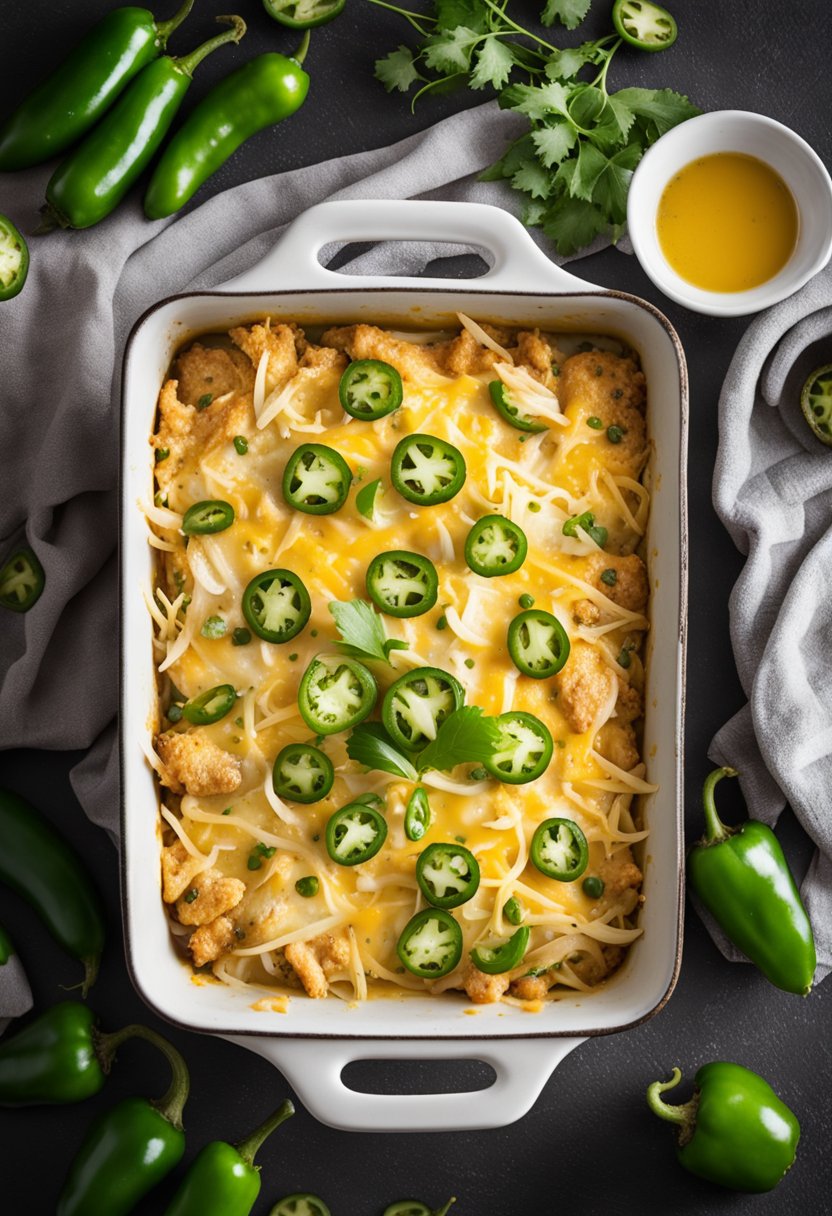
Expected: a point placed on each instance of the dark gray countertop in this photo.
(589, 1145)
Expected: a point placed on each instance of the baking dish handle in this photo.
(313, 1067)
(516, 262)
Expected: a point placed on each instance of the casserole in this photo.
(314, 1040)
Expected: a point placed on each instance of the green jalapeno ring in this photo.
(538, 643)
(316, 479)
(370, 389)
(401, 583)
(427, 470)
(524, 750)
(451, 868)
(293, 13)
(419, 702)
(210, 706)
(207, 517)
(495, 960)
(302, 773)
(14, 260)
(501, 400)
(495, 546)
(645, 25)
(276, 605)
(21, 581)
(301, 1203)
(559, 849)
(335, 694)
(417, 815)
(816, 402)
(355, 834)
(430, 944)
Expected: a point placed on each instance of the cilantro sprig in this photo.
(575, 163)
(363, 635)
(465, 737)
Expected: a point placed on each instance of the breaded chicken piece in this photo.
(203, 371)
(209, 941)
(178, 868)
(629, 588)
(630, 704)
(622, 878)
(285, 344)
(536, 354)
(584, 612)
(616, 741)
(587, 968)
(465, 356)
(607, 386)
(186, 431)
(195, 765)
(370, 342)
(484, 989)
(316, 960)
(324, 357)
(215, 895)
(583, 685)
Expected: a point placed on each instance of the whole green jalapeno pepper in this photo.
(93, 179)
(223, 1178)
(61, 1057)
(259, 94)
(37, 864)
(77, 94)
(14, 260)
(743, 879)
(128, 1150)
(735, 1131)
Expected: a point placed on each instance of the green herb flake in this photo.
(615, 434)
(241, 444)
(228, 810)
(526, 601)
(595, 422)
(191, 895)
(609, 577)
(213, 627)
(362, 630)
(174, 713)
(469, 663)
(204, 401)
(260, 850)
(162, 454)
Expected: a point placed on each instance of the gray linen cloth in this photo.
(773, 491)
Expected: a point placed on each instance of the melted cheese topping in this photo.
(536, 480)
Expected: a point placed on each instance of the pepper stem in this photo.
(715, 829)
(164, 29)
(249, 1147)
(684, 1115)
(172, 1102)
(300, 53)
(444, 1211)
(188, 63)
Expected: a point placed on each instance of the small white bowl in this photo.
(755, 135)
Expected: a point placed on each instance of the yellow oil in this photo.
(727, 222)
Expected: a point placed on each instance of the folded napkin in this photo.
(773, 491)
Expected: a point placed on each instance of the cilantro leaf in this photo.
(466, 736)
(565, 64)
(366, 497)
(532, 178)
(362, 631)
(397, 70)
(554, 143)
(659, 109)
(589, 167)
(613, 182)
(568, 12)
(494, 63)
(539, 101)
(572, 223)
(451, 50)
(471, 13)
(370, 744)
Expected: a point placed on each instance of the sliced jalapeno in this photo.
(644, 24)
(417, 815)
(538, 643)
(302, 773)
(494, 960)
(587, 522)
(415, 1207)
(355, 834)
(417, 704)
(401, 583)
(305, 1204)
(370, 389)
(335, 693)
(276, 605)
(210, 706)
(816, 403)
(559, 849)
(14, 260)
(431, 944)
(203, 518)
(495, 546)
(506, 408)
(427, 470)
(448, 875)
(21, 581)
(303, 15)
(316, 479)
(524, 750)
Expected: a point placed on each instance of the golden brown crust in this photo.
(203, 371)
(484, 989)
(178, 868)
(610, 387)
(184, 430)
(616, 741)
(208, 942)
(195, 765)
(630, 588)
(370, 342)
(215, 895)
(318, 959)
(583, 685)
(285, 344)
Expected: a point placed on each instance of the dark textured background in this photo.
(589, 1145)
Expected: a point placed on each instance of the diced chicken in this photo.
(628, 588)
(211, 895)
(211, 371)
(536, 354)
(484, 989)
(587, 968)
(583, 685)
(584, 612)
(324, 357)
(186, 431)
(465, 356)
(622, 878)
(617, 743)
(533, 987)
(369, 342)
(285, 344)
(209, 941)
(178, 868)
(195, 765)
(610, 387)
(316, 960)
(630, 704)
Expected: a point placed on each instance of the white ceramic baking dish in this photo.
(314, 1040)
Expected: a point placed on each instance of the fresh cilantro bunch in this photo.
(465, 737)
(576, 161)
